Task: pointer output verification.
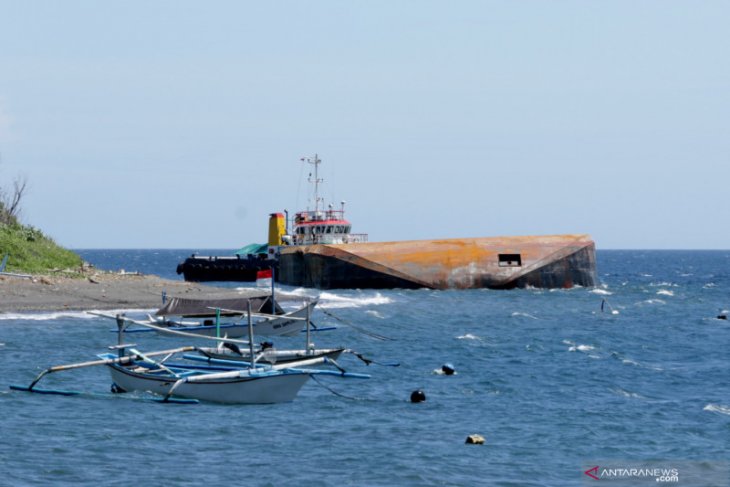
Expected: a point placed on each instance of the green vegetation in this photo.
(30, 251)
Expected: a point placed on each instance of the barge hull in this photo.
(223, 269)
(552, 261)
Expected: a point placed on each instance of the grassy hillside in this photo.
(32, 252)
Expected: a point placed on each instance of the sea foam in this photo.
(717, 408)
(54, 315)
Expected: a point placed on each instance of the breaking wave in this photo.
(331, 300)
(526, 315)
(717, 408)
(469, 336)
(665, 292)
(54, 315)
(620, 392)
(602, 292)
(576, 347)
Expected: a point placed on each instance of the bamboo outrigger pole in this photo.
(118, 360)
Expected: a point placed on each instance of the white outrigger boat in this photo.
(210, 324)
(236, 386)
(132, 370)
(267, 354)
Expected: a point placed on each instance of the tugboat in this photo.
(321, 252)
(309, 227)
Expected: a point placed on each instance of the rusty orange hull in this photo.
(551, 261)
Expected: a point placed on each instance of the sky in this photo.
(182, 124)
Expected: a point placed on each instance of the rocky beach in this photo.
(97, 290)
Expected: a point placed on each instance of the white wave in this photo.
(469, 336)
(717, 408)
(665, 292)
(372, 312)
(663, 284)
(596, 357)
(581, 348)
(709, 285)
(602, 292)
(54, 315)
(628, 361)
(654, 301)
(526, 315)
(624, 393)
(331, 300)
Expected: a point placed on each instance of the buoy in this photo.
(475, 440)
(448, 369)
(418, 396)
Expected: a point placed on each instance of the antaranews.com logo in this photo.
(679, 473)
(657, 474)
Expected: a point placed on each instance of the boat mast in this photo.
(315, 162)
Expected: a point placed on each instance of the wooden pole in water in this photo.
(217, 322)
(250, 336)
(309, 338)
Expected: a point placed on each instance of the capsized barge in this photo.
(552, 261)
(322, 252)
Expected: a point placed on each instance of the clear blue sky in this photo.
(180, 124)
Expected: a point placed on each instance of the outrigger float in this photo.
(321, 252)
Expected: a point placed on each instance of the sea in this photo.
(627, 382)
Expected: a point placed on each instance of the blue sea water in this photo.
(553, 383)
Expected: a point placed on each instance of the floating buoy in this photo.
(418, 396)
(475, 440)
(448, 369)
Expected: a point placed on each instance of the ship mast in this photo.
(315, 161)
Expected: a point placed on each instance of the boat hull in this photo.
(553, 261)
(263, 388)
(289, 324)
(274, 357)
(223, 268)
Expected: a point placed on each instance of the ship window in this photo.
(347, 228)
(510, 260)
(329, 229)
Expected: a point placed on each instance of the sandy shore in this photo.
(95, 291)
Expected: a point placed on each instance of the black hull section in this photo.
(327, 272)
(577, 269)
(224, 269)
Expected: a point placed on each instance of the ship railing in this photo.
(315, 216)
(329, 238)
(356, 238)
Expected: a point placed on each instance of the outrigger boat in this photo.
(203, 316)
(265, 352)
(132, 370)
(268, 354)
(280, 324)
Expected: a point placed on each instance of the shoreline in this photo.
(99, 291)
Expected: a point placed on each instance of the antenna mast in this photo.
(315, 161)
